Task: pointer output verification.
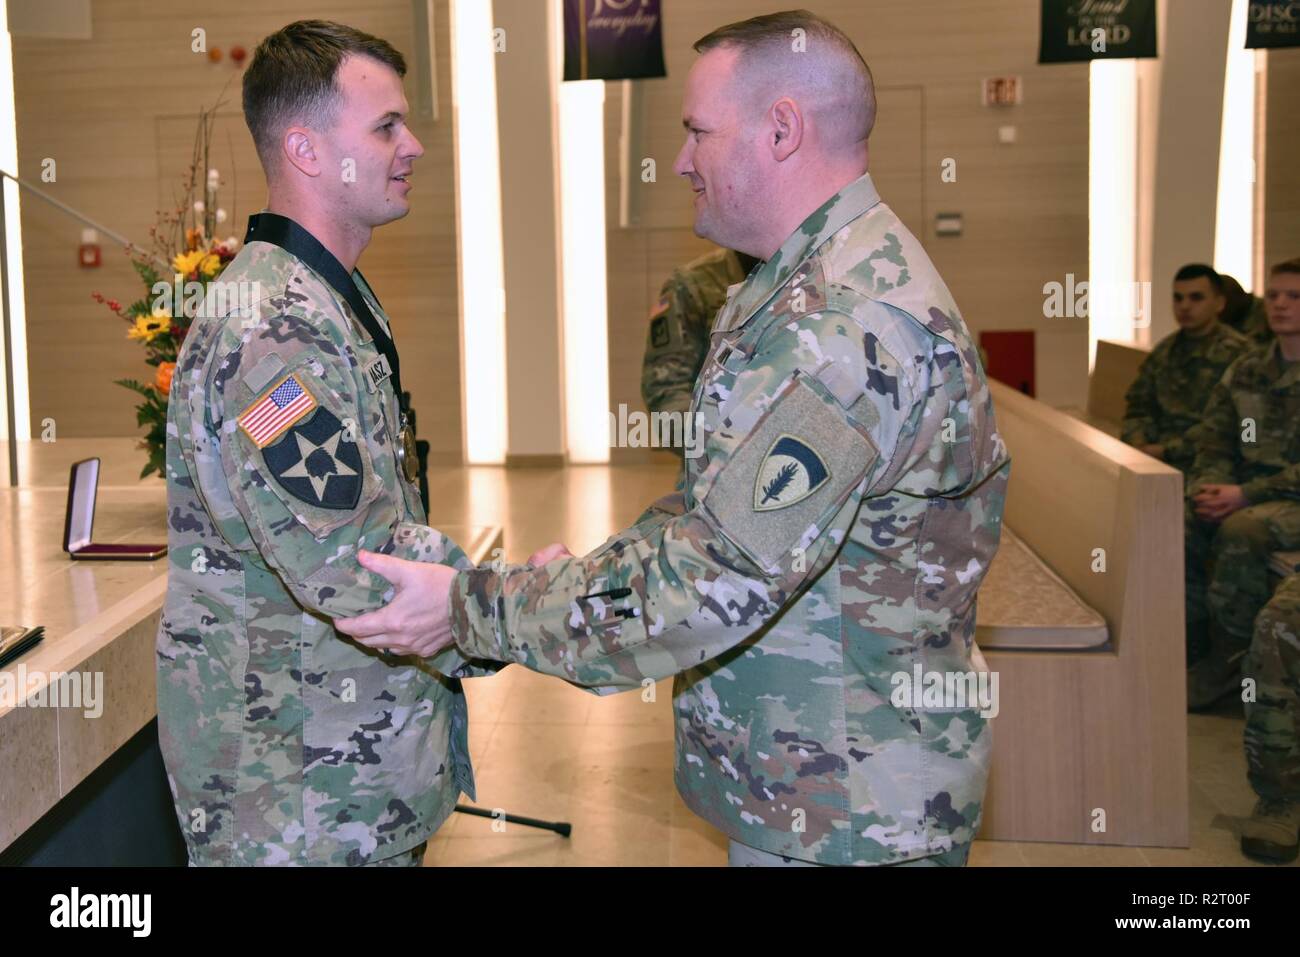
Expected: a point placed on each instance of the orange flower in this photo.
(163, 382)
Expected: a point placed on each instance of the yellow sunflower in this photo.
(186, 263)
(148, 328)
(210, 264)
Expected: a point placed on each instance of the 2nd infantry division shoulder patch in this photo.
(790, 472)
(316, 463)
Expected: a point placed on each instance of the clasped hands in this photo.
(418, 619)
(1213, 502)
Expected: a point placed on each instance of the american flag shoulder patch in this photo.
(266, 419)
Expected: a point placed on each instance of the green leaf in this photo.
(147, 273)
(134, 386)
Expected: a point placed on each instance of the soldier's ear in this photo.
(299, 151)
(787, 128)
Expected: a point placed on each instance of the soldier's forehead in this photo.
(700, 115)
(377, 95)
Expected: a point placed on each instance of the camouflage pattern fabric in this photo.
(1249, 436)
(1169, 394)
(678, 337)
(284, 742)
(1273, 718)
(1227, 573)
(412, 858)
(831, 536)
(741, 855)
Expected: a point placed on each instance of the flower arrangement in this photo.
(182, 244)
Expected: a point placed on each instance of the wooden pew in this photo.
(1094, 739)
(1114, 371)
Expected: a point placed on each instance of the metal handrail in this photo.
(10, 412)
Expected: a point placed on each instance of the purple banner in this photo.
(613, 40)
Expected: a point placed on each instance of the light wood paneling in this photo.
(117, 113)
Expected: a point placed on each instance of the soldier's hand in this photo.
(1215, 502)
(417, 620)
(549, 554)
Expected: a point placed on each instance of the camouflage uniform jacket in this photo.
(1169, 394)
(828, 541)
(1250, 434)
(678, 338)
(285, 743)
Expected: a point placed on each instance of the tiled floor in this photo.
(544, 749)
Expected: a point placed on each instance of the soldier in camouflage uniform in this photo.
(1273, 728)
(831, 537)
(1246, 313)
(1243, 497)
(678, 338)
(285, 742)
(1167, 397)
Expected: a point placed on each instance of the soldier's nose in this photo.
(682, 165)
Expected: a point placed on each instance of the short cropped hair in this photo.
(292, 78)
(1196, 271)
(1287, 266)
(766, 38)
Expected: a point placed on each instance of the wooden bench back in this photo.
(1074, 490)
(1116, 368)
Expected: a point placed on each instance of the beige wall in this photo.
(1282, 158)
(1025, 206)
(1193, 52)
(526, 123)
(117, 114)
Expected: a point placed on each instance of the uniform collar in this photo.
(371, 300)
(1216, 331)
(829, 218)
(1288, 373)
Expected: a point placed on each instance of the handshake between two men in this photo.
(418, 619)
(832, 532)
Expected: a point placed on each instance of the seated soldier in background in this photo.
(679, 329)
(1273, 729)
(1171, 389)
(1243, 495)
(1246, 313)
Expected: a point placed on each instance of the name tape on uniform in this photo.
(377, 372)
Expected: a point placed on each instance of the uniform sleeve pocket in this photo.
(795, 469)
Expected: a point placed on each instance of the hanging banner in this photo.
(613, 40)
(1271, 25)
(1078, 30)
